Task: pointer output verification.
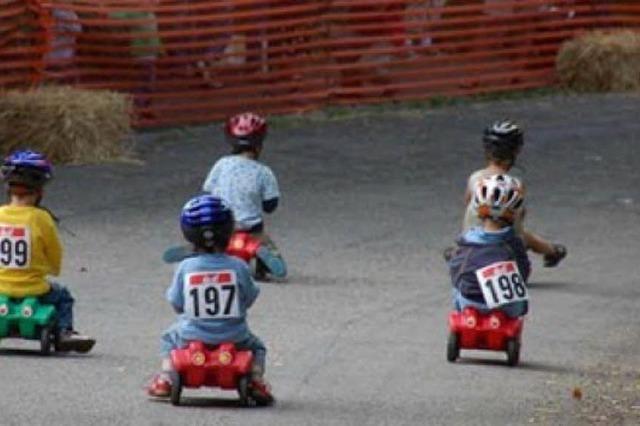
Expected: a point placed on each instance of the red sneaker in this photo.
(261, 392)
(160, 386)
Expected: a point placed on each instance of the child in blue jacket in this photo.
(491, 260)
(207, 222)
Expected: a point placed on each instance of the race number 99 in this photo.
(501, 283)
(15, 250)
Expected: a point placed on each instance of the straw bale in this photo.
(69, 125)
(601, 61)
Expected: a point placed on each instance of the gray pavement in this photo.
(357, 335)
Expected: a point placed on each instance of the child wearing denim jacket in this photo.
(207, 223)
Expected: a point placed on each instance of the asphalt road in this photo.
(357, 335)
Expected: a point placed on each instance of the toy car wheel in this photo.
(176, 387)
(45, 340)
(243, 391)
(453, 347)
(513, 352)
(56, 341)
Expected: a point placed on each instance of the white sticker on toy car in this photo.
(15, 246)
(211, 294)
(502, 283)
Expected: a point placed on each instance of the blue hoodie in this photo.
(478, 248)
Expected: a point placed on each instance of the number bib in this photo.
(211, 295)
(502, 283)
(15, 246)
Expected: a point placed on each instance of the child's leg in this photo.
(160, 385)
(260, 389)
(60, 297)
(537, 243)
(271, 257)
(553, 253)
(69, 340)
(259, 350)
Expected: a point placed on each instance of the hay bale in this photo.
(601, 61)
(69, 125)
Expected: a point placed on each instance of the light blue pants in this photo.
(171, 339)
(512, 310)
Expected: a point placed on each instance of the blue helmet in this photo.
(207, 222)
(25, 167)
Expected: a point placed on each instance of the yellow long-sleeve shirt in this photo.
(30, 250)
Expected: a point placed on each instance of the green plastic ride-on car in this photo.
(29, 319)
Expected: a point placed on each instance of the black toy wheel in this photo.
(513, 352)
(243, 390)
(45, 340)
(453, 347)
(176, 387)
(56, 341)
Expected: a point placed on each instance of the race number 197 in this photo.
(502, 283)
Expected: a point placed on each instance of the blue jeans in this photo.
(512, 310)
(60, 297)
(171, 339)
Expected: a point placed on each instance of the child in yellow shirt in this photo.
(30, 248)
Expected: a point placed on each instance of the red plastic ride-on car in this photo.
(224, 367)
(492, 331)
(243, 245)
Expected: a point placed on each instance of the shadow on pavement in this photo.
(35, 353)
(552, 285)
(523, 365)
(212, 402)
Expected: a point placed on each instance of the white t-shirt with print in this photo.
(244, 184)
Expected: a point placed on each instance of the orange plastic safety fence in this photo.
(193, 61)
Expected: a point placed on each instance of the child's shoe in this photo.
(70, 340)
(160, 386)
(551, 260)
(274, 262)
(260, 391)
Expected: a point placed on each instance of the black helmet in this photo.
(502, 140)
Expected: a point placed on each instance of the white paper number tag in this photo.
(15, 246)
(502, 283)
(211, 294)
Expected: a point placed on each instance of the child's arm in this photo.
(175, 294)
(52, 245)
(212, 179)
(250, 290)
(467, 197)
(270, 191)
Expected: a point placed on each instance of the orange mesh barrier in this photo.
(193, 61)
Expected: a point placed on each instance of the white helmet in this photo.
(498, 197)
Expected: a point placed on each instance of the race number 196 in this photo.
(502, 283)
(15, 247)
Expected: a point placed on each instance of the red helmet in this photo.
(246, 130)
